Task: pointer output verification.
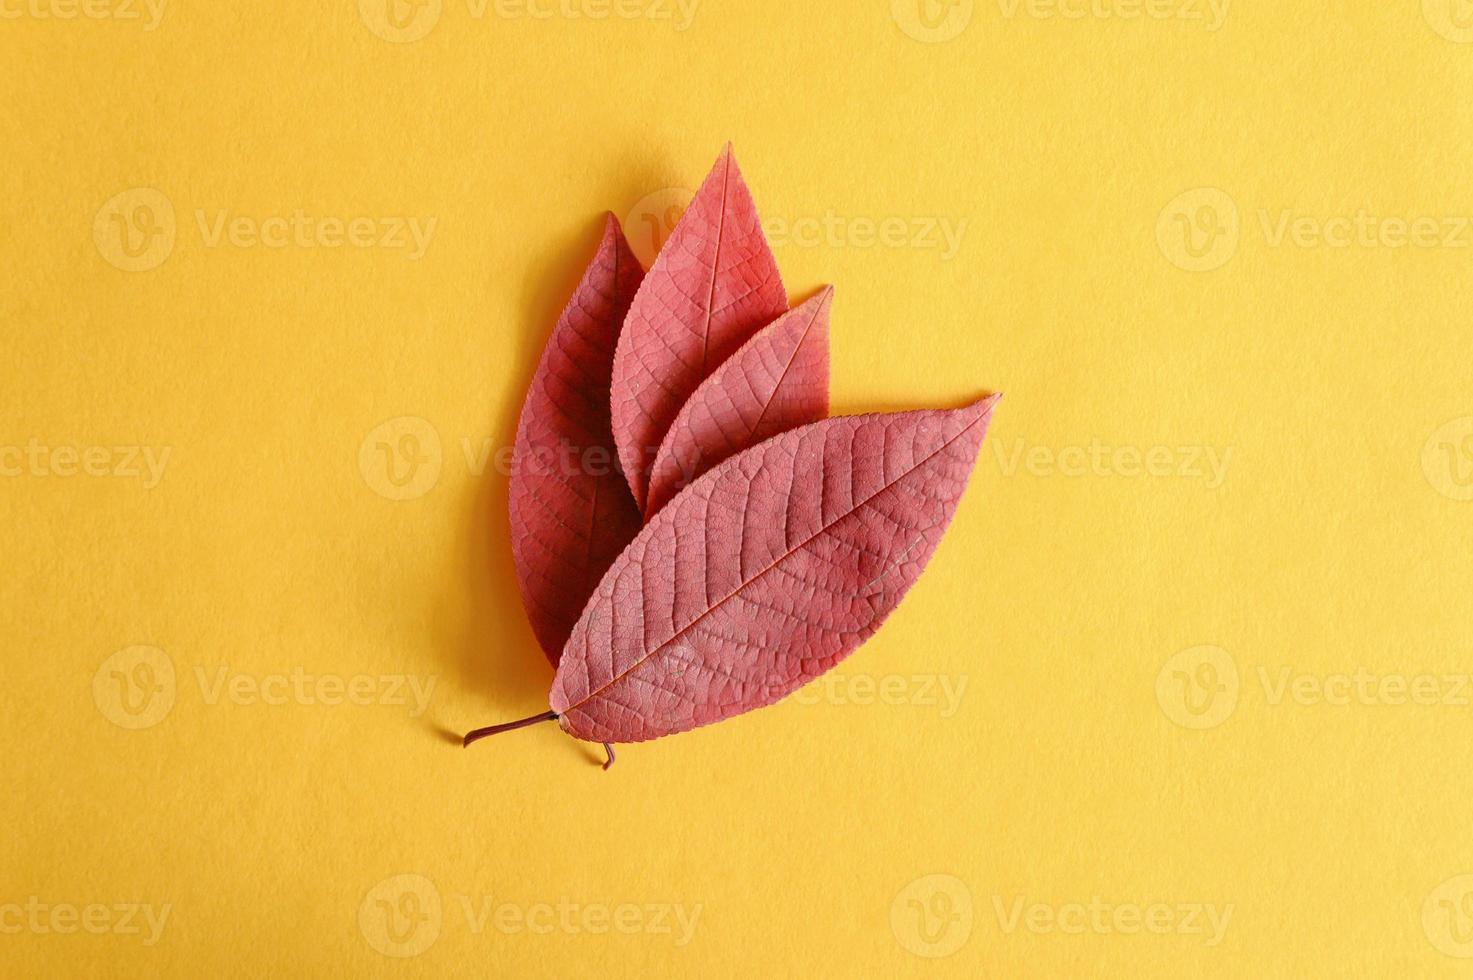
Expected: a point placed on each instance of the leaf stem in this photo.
(481, 733)
(610, 750)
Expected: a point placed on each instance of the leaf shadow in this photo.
(490, 645)
(885, 406)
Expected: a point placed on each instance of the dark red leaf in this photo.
(764, 573)
(571, 512)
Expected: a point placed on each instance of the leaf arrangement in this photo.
(693, 536)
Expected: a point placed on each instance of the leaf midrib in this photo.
(778, 561)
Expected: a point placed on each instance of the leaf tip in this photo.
(726, 163)
(613, 236)
(982, 407)
(615, 242)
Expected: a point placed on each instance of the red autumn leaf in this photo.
(764, 573)
(713, 285)
(777, 381)
(770, 568)
(571, 512)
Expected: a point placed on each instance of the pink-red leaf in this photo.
(571, 512)
(713, 285)
(777, 381)
(764, 573)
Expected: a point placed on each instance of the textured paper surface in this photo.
(1242, 448)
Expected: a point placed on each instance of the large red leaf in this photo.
(713, 285)
(764, 573)
(777, 381)
(571, 512)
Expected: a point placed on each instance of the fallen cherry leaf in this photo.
(713, 285)
(764, 573)
(571, 512)
(777, 381)
(767, 570)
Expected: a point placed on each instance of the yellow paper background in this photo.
(1077, 597)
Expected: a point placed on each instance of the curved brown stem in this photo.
(610, 750)
(481, 733)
